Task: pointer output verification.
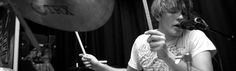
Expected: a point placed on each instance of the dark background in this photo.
(114, 40)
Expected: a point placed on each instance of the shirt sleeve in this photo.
(200, 42)
(134, 57)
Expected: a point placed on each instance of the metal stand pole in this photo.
(188, 60)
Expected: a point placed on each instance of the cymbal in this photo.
(67, 15)
(5, 69)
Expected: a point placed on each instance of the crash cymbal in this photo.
(68, 15)
(5, 69)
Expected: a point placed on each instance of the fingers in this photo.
(88, 64)
(89, 60)
(81, 55)
(154, 32)
(85, 57)
(157, 44)
(155, 38)
(155, 35)
(86, 60)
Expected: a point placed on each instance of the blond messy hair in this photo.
(164, 6)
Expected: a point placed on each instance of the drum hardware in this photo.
(66, 15)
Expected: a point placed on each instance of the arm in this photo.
(105, 67)
(91, 62)
(131, 69)
(200, 62)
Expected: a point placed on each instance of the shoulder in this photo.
(195, 35)
(141, 45)
(137, 50)
(141, 39)
(199, 42)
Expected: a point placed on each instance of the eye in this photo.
(174, 10)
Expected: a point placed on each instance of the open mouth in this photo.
(177, 25)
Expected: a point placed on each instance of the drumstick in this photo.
(103, 61)
(80, 42)
(147, 15)
(82, 47)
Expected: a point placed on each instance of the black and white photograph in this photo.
(117, 35)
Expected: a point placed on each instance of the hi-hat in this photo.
(68, 15)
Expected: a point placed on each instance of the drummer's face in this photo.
(167, 22)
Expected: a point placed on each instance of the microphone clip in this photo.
(193, 24)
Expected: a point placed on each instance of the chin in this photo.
(177, 32)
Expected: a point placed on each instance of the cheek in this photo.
(170, 21)
(167, 23)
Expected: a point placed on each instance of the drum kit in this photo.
(67, 15)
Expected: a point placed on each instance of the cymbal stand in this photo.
(25, 26)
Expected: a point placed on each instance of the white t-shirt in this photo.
(142, 58)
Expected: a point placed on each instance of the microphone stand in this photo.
(227, 36)
(188, 56)
(188, 60)
(205, 27)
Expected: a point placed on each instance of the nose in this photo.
(180, 18)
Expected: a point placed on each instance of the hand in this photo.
(157, 43)
(156, 39)
(162, 53)
(89, 60)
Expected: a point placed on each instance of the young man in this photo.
(165, 48)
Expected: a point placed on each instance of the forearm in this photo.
(181, 66)
(105, 67)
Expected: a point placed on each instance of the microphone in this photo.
(193, 24)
